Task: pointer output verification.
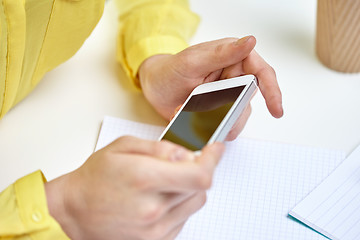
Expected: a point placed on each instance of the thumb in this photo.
(205, 58)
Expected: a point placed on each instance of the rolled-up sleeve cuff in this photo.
(148, 47)
(24, 210)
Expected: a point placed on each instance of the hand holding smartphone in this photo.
(219, 104)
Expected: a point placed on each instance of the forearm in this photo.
(60, 207)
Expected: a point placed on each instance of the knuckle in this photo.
(204, 179)
(140, 181)
(106, 155)
(272, 70)
(186, 58)
(161, 147)
(150, 213)
(218, 49)
(123, 140)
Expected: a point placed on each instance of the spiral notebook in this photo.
(255, 185)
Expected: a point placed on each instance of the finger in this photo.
(154, 206)
(202, 59)
(196, 175)
(184, 210)
(164, 150)
(170, 200)
(176, 216)
(213, 76)
(176, 177)
(235, 70)
(239, 125)
(268, 85)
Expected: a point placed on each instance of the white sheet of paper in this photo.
(255, 186)
(333, 208)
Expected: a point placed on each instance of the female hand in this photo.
(167, 80)
(133, 189)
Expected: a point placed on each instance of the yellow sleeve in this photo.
(150, 27)
(35, 37)
(23, 211)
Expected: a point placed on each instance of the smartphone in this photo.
(210, 112)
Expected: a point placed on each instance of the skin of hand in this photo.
(167, 80)
(133, 189)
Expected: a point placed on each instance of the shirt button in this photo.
(37, 216)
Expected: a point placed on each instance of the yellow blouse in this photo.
(38, 35)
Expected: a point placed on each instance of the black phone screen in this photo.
(201, 116)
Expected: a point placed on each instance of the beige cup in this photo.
(338, 34)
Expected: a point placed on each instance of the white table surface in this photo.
(56, 127)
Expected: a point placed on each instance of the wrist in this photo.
(155, 76)
(58, 205)
(147, 67)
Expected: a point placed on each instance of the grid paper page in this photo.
(112, 128)
(333, 208)
(255, 186)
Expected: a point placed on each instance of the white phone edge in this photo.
(250, 83)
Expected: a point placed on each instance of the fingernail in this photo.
(242, 41)
(182, 155)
